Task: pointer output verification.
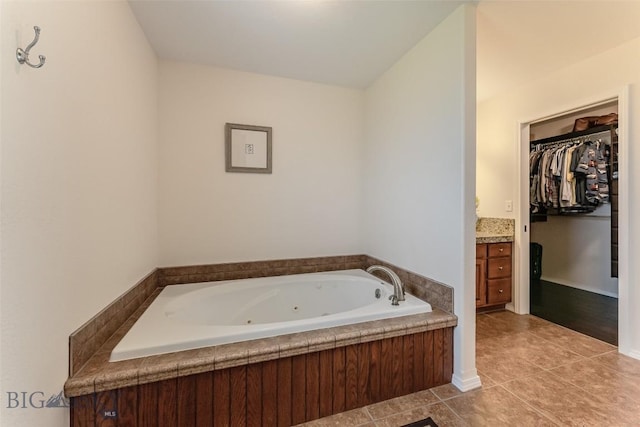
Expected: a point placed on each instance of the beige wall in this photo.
(308, 206)
(78, 184)
(579, 84)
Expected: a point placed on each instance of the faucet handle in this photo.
(394, 300)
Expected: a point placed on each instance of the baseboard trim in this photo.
(576, 286)
(466, 384)
(634, 354)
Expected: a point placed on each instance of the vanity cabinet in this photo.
(481, 275)
(493, 274)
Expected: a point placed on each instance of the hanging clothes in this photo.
(568, 176)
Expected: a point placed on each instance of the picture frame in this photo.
(248, 148)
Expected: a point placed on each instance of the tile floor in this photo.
(534, 373)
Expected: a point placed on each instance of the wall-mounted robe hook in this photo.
(23, 55)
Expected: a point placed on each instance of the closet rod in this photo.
(605, 134)
(573, 135)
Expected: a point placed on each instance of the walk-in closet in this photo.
(573, 203)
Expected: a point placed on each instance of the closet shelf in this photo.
(571, 135)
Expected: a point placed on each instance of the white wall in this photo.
(78, 184)
(419, 171)
(571, 87)
(576, 251)
(308, 206)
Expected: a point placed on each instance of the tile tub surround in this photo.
(100, 375)
(495, 230)
(99, 386)
(435, 293)
(252, 269)
(86, 340)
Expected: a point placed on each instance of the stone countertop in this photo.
(98, 374)
(495, 230)
(490, 237)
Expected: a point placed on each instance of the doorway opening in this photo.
(557, 287)
(573, 207)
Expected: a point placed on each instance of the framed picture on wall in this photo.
(247, 148)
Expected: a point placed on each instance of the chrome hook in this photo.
(23, 55)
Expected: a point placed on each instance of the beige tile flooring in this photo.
(534, 373)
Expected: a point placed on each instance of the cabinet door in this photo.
(481, 250)
(481, 282)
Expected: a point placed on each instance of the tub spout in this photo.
(398, 287)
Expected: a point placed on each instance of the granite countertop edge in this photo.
(488, 237)
(99, 374)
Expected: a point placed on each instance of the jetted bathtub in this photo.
(185, 317)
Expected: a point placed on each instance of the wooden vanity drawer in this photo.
(493, 274)
(498, 291)
(481, 251)
(499, 249)
(499, 267)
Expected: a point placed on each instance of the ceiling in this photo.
(521, 41)
(346, 43)
(351, 43)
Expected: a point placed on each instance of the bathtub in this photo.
(185, 317)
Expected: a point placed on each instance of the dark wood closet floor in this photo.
(586, 312)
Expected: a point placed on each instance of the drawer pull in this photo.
(500, 291)
(501, 249)
(500, 268)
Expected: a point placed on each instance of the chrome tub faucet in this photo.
(398, 287)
